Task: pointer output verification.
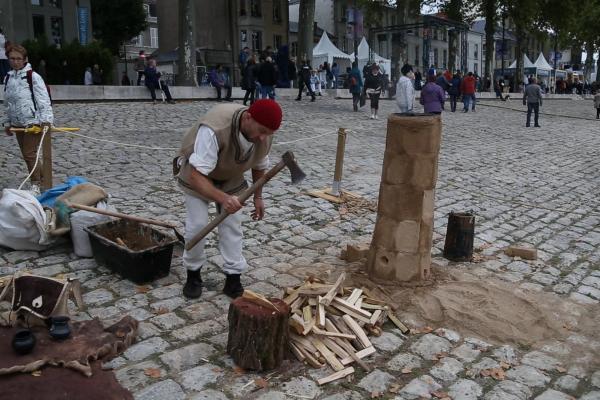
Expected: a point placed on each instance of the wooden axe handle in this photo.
(119, 215)
(242, 197)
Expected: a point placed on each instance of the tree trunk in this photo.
(398, 43)
(520, 60)
(598, 69)
(452, 49)
(258, 335)
(187, 45)
(589, 61)
(490, 48)
(306, 31)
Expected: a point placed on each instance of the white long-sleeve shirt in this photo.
(405, 94)
(206, 151)
(19, 102)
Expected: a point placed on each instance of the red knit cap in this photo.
(267, 113)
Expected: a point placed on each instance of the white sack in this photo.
(22, 221)
(81, 219)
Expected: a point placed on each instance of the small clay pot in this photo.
(59, 328)
(23, 341)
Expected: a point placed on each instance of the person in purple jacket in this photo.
(432, 96)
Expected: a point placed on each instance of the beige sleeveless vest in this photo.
(228, 174)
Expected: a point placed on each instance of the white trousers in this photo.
(230, 238)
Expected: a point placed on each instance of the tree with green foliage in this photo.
(116, 21)
(584, 31)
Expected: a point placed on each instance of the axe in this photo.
(287, 160)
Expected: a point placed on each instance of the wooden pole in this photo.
(339, 163)
(401, 245)
(47, 161)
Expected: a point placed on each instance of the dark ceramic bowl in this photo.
(23, 341)
(59, 328)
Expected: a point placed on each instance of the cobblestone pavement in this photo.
(535, 186)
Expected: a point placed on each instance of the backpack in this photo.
(30, 83)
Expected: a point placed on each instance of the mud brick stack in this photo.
(401, 245)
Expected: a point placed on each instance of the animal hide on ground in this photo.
(89, 341)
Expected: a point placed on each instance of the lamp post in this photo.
(503, 39)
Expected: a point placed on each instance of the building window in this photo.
(476, 53)
(56, 30)
(150, 11)
(39, 26)
(277, 11)
(244, 37)
(277, 41)
(256, 41)
(393, 20)
(36, 2)
(255, 8)
(445, 59)
(243, 11)
(139, 40)
(54, 3)
(476, 69)
(436, 57)
(154, 37)
(444, 35)
(417, 55)
(343, 12)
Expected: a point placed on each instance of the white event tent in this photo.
(526, 63)
(363, 57)
(326, 51)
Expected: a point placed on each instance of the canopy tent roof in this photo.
(527, 63)
(541, 63)
(363, 53)
(328, 49)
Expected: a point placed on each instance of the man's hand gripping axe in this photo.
(287, 160)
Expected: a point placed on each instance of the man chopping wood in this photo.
(227, 141)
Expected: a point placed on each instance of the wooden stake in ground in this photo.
(401, 245)
(258, 335)
(46, 161)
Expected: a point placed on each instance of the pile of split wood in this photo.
(330, 323)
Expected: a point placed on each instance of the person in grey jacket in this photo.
(26, 106)
(532, 98)
(405, 90)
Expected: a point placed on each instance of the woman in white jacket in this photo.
(405, 90)
(28, 103)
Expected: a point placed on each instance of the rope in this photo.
(37, 158)
(541, 113)
(174, 148)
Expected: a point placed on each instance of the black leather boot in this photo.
(233, 287)
(193, 286)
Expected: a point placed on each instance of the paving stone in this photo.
(420, 388)
(168, 321)
(595, 379)
(505, 354)
(191, 332)
(146, 330)
(273, 395)
(387, 342)
(540, 361)
(484, 363)
(201, 310)
(167, 291)
(141, 314)
(567, 383)
(589, 291)
(49, 271)
(132, 377)
(82, 264)
(209, 394)
(129, 303)
(15, 257)
(376, 381)
(429, 345)
(552, 394)
(498, 394)
(168, 389)
(516, 389)
(300, 386)
(146, 348)
(187, 357)
(528, 376)
(465, 389)
(451, 335)
(347, 395)
(404, 360)
(591, 396)
(466, 352)
(97, 297)
(167, 304)
(446, 369)
(199, 377)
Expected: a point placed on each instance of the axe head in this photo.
(290, 162)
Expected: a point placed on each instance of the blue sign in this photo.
(83, 21)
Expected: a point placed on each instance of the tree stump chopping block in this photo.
(258, 335)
